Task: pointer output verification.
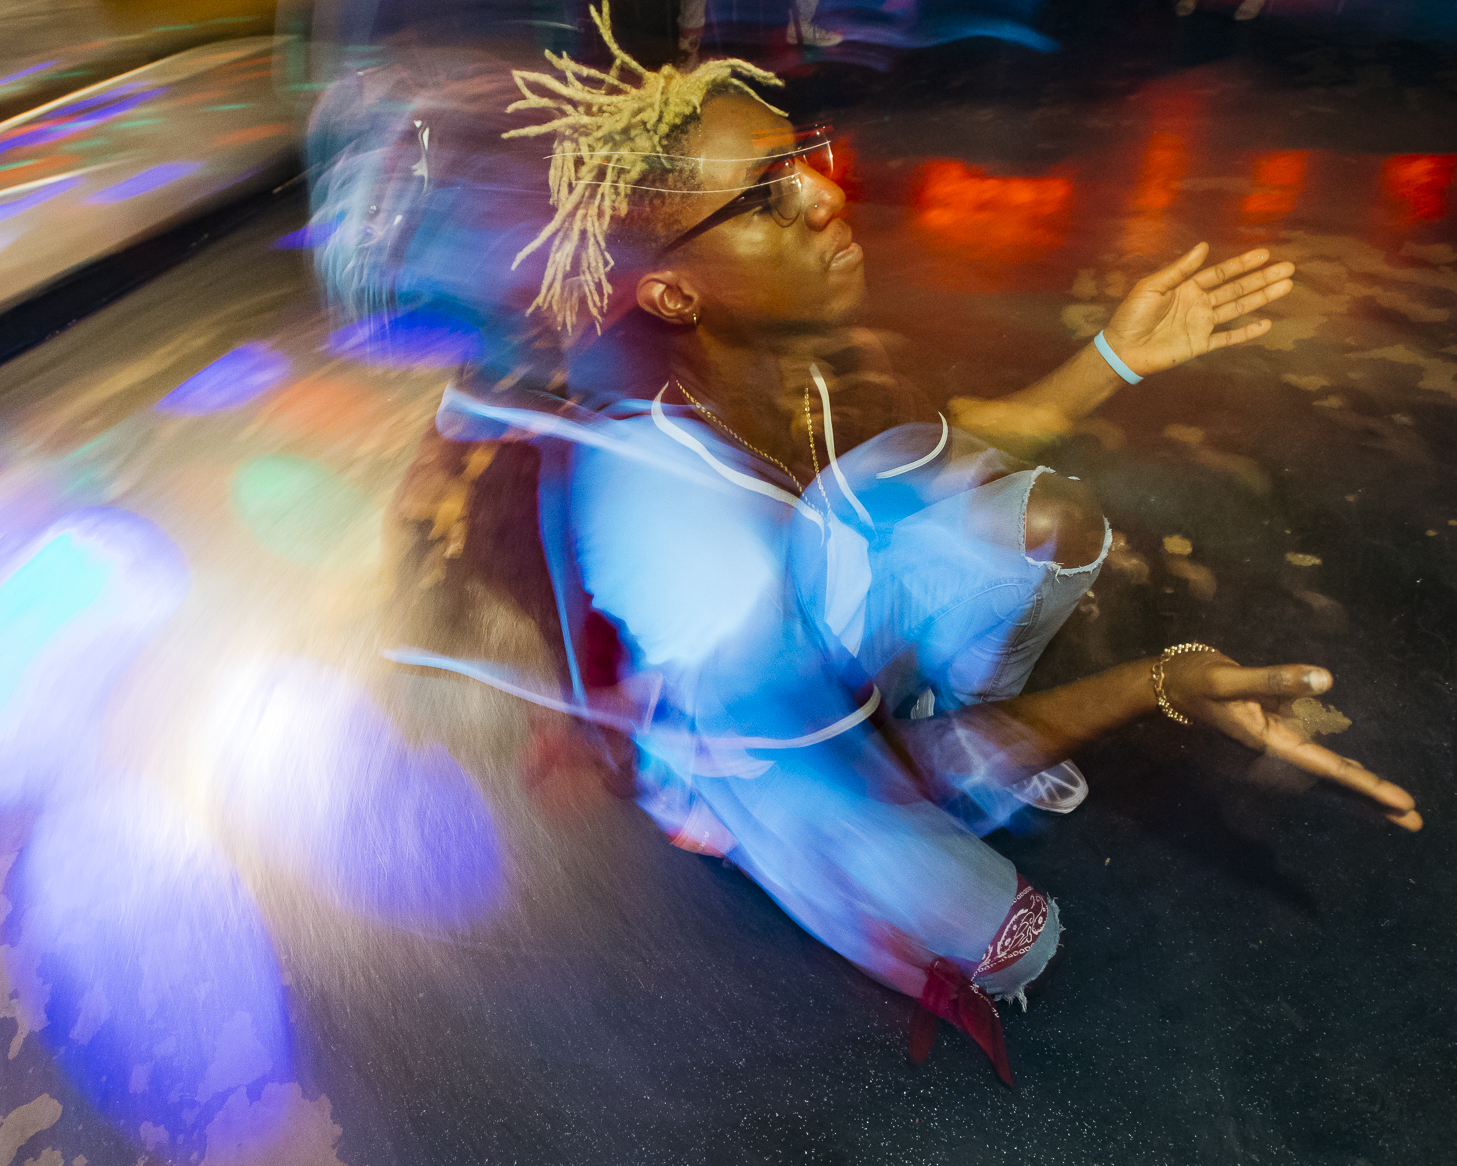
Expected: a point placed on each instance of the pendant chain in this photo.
(808, 416)
(814, 456)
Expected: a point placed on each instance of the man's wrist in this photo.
(1113, 360)
(1097, 379)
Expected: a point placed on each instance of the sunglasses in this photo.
(778, 188)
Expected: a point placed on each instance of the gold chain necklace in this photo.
(813, 453)
(808, 416)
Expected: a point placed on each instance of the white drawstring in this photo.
(919, 462)
(830, 447)
(738, 478)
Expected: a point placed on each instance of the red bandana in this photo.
(949, 995)
(1018, 932)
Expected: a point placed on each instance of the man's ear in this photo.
(666, 295)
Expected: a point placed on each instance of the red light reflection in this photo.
(1418, 184)
(1165, 162)
(1278, 177)
(324, 407)
(1000, 220)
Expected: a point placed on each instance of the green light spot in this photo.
(309, 85)
(138, 121)
(86, 144)
(221, 108)
(72, 73)
(172, 27)
(14, 165)
(298, 509)
(40, 598)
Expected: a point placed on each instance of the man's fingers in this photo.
(1319, 760)
(1231, 682)
(1224, 272)
(1235, 691)
(1180, 270)
(1275, 273)
(1258, 299)
(1238, 335)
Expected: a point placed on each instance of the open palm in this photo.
(1170, 317)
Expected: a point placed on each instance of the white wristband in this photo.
(1107, 353)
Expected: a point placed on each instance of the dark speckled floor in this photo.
(1256, 971)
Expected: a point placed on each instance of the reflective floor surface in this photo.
(222, 949)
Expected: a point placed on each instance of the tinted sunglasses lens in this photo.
(784, 199)
(780, 184)
(819, 156)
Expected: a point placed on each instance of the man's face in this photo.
(751, 272)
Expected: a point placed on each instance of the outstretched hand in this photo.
(1252, 706)
(1169, 317)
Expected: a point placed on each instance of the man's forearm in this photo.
(1007, 740)
(1065, 718)
(1046, 410)
(1074, 389)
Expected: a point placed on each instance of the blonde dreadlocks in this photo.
(609, 134)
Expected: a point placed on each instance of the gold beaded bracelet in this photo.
(1158, 678)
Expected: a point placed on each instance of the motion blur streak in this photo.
(148, 180)
(76, 607)
(164, 992)
(243, 375)
(418, 339)
(77, 117)
(43, 194)
(314, 776)
(26, 72)
(305, 237)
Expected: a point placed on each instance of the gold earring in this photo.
(695, 319)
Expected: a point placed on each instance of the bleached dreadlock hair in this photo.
(611, 134)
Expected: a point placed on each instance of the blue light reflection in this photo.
(164, 993)
(423, 338)
(321, 782)
(243, 375)
(43, 194)
(143, 183)
(77, 604)
(6, 80)
(312, 235)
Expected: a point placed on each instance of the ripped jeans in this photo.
(958, 613)
(956, 606)
(918, 580)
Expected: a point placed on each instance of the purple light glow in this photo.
(36, 197)
(163, 989)
(27, 72)
(313, 235)
(322, 783)
(144, 183)
(243, 375)
(71, 120)
(162, 996)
